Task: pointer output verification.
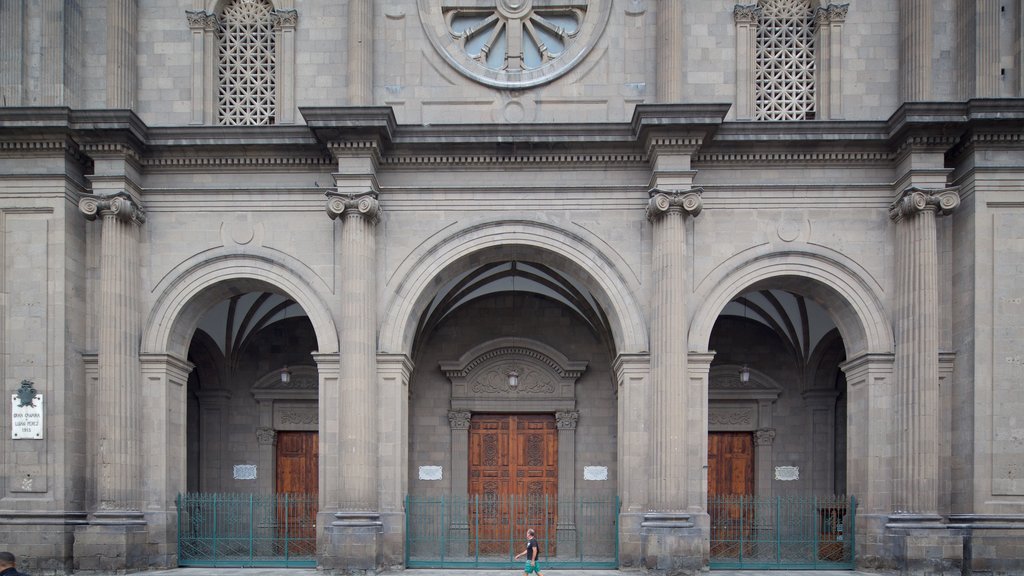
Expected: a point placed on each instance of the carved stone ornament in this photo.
(201, 19)
(837, 12)
(915, 200)
(459, 419)
(285, 18)
(764, 437)
(266, 436)
(731, 417)
(120, 205)
(363, 205)
(683, 202)
(298, 416)
(746, 13)
(567, 420)
(27, 393)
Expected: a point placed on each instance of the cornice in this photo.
(533, 160)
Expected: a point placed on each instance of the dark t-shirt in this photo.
(532, 549)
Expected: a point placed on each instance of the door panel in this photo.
(730, 464)
(297, 473)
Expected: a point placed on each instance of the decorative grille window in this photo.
(784, 61)
(246, 64)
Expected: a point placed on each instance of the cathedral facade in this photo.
(643, 275)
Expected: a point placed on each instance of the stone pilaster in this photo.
(671, 35)
(916, 311)
(122, 32)
(829, 60)
(285, 22)
(393, 373)
(764, 439)
(360, 52)
(915, 50)
(566, 530)
(459, 421)
(354, 534)
(633, 374)
(202, 25)
(745, 17)
(117, 527)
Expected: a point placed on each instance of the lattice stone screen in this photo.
(784, 61)
(246, 67)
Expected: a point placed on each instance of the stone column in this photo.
(829, 60)
(764, 438)
(117, 529)
(360, 52)
(266, 439)
(633, 374)
(393, 373)
(459, 421)
(916, 312)
(671, 35)
(355, 531)
(122, 32)
(566, 530)
(284, 45)
(915, 50)
(203, 25)
(670, 538)
(746, 41)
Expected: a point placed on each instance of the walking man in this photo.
(532, 552)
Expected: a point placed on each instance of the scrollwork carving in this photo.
(266, 436)
(284, 18)
(746, 13)
(201, 20)
(730, 417)
(567, 420)
(363, 205)
(299, 416)
(914, 200)
(459, 419)
(764, 437)
(664, 202)
(120, 206)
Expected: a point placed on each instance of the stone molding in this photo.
(363, 205)
(567, 420)
(121, 205)
(459, 419)
(914, 200)
(671, 201)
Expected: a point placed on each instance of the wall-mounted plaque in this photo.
(430, 472)
(787, 473)
(595, 472)
(26, 417)
(245, 472)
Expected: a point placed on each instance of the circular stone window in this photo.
(514, 43)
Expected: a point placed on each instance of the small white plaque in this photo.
(26, 421)
(245, 472)
(430, 472)
(787, 472)
(595, 472)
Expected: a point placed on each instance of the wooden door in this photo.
(513, 472)
(298, 455)
(730, 464)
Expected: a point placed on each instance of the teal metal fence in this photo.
(247, 530)
(478, 532)
(782, 532)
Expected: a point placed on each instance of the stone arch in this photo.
(832, 280)
(432, 265)
(189, 291)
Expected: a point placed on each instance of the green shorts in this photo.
(531, 567)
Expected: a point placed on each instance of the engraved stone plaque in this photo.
(26, 418)
(430, 472)
(595, 472)
(787, 473)
(245, 472)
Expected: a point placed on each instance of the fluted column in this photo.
(670, 51)
(915, 50)
(357, 378)
(360, 52)
(121, 40)
(668, 435)
(916, 311)
(116, 403)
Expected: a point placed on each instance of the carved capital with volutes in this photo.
(363, 205)
(201, 20)
(746, 13)
(915, 200)
(266, 436)
(567, 420)
(120, 206)
(674, 202)
(284, 18)
(459, 419)
(764, 437)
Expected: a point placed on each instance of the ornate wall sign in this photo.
(786, 473)
(430, 473)
(26, 413)
(514, 43)
(244, 472)
(595, 472)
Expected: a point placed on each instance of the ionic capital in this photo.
(266, 436)
(746, 13)
(363, 205)
(681, 202)
(120, 206)
(567, 420)
(914, 200)
(764, 437)
(459, 419)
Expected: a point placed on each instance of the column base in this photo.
(992, 542)
(114, 542)
(50, 535)
(921, 544)
(630, 540)
(351, 542)
(674, 543)
(393, 539)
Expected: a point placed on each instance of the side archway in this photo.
(433, 265)
(185, 296)
(827, 278)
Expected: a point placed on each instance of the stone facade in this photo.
(588, 197)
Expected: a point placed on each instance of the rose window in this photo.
(514, 43)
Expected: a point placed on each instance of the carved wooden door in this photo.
(730, 464)
(297, 473)
(513, 474)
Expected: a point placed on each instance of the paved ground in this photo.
(310, 572)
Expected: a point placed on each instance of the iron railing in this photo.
(480, 532)
(247, 530)
(782, 532)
